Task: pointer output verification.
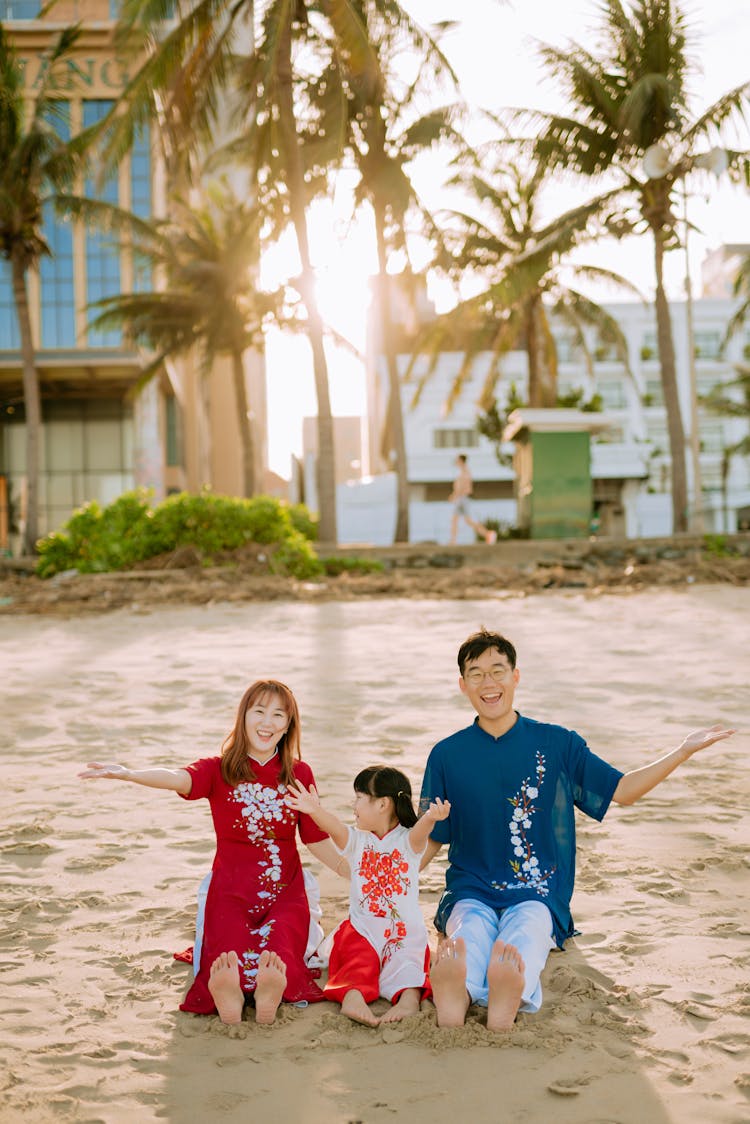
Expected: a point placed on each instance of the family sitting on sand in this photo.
(501, 793)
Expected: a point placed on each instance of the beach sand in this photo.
(646, 1014)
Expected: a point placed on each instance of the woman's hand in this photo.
(95, 770)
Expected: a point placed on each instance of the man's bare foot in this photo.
(224, 985)
(505, 977)
(448, 979)
(269, 988)
(407, 1005)
(354, 1007)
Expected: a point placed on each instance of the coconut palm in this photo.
(629, 102)
(36, 167)
(386, 132)
(522, 265)
(208, 300)
(722, 401)
(194, 66)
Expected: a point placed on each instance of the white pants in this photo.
(527, 926)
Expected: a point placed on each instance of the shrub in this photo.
(129, 530)
(303, 521)
(346, 564)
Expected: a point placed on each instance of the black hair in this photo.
(479, 642)
(384, 780)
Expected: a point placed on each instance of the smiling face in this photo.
(266, 722)
(489, 683)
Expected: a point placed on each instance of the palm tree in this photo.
(36, 167)
(721, 401)
(631, 101)
(385, 134)
(208, 298)
(193, 66)
(521, 263)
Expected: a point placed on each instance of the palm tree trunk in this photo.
(671, 394)
(246, 425)
(32, 406)
(541, 382)
(295, 182)
(395, 410)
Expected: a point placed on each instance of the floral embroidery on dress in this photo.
(250, 958)
(383, 878)
(528, 873)
(262, 808)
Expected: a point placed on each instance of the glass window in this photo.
(707, 345)
(711, 437)
(613, 395)
(140, 201)
(102, 253)
(654, 395)
(10, 338)
(56, 271)
(567, 349)
(19, 9)
(454, 438)
(649, 346)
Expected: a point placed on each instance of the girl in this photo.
(256, 915)
(382, 948)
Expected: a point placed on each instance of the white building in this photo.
(630, 461)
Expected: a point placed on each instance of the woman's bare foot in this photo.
(407, 1005)
(505, 977)
(448, 979)
(269, 988)
(354, 1007)
(224, 985)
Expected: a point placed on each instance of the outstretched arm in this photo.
(325, 852)
(420, 833)
(174, 780)
(307, 801)
(640, 781)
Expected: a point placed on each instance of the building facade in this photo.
(100, 436)
(630, 458)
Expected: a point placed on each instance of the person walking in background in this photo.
(463, 486)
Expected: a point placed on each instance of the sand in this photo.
(646, 1013)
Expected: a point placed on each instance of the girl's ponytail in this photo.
(384, 780)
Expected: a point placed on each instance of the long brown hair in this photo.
(236, 766)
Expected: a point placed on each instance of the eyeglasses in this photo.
(475, 677)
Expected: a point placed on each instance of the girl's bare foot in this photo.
(224, 985)
(354, 1007)
(407, 1005)
(505, 977)
(269, 988)
(448, 979)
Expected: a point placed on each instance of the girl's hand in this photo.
(438, 810)
(300, 799)
(96, 770)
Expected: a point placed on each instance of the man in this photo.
(513, 784)
(463, 486)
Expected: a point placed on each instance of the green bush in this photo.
(718, 547)
(334, 566)
(303, 521)
(130, 530)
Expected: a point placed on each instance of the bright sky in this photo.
(492, 51)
